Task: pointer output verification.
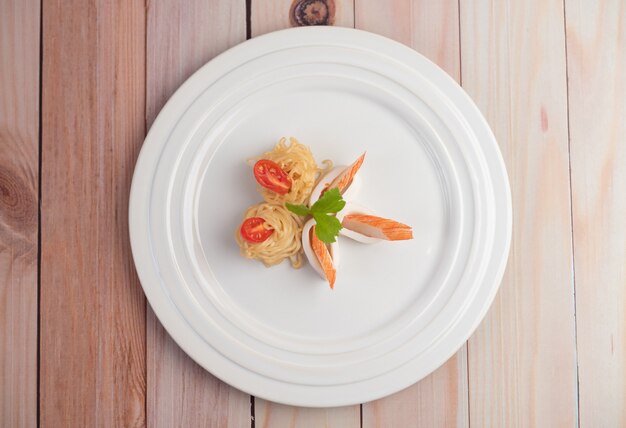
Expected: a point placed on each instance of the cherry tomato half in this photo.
(270, 175)
(253, 230)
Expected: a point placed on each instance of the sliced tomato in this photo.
(271, 176)
(253, 230)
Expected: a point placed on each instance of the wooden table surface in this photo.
(81, 82)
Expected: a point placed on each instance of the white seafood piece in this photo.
(353, 208)
(348, 194)
(333, 249)
(364, 225)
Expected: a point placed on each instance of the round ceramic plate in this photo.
(399, 309)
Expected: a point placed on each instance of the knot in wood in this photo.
(18, 202)
(312, 12)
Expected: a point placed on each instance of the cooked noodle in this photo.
(297, 161)
(285, 242)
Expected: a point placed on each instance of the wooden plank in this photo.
(522, 359)
(431, 28)
(271, 415)
(439, 400)
(596, 57)
(266, 16)
(92, 366)
(182, 36)
(273, 15)
(19, 217)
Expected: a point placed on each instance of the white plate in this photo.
(399, 310)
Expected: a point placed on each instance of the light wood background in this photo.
(82, 81)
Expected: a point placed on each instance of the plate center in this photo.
(400, 180)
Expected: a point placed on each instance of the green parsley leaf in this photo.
(300, 210)
(330, 202)
(327, 227)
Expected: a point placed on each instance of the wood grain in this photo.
(19, 172)
(183, 37)
(92, 307)
(271, 415)
(271, 15)
(522, 361)
(596, 52)
(431, 28)
(439, 400)
(180, 38)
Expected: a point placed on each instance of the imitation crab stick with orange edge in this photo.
(377, 227)
(323, 257)
(343, 180)
(341, 177)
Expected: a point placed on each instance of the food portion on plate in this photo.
(341, 177)
(287, 173)
(270, 233)
(305, 209)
